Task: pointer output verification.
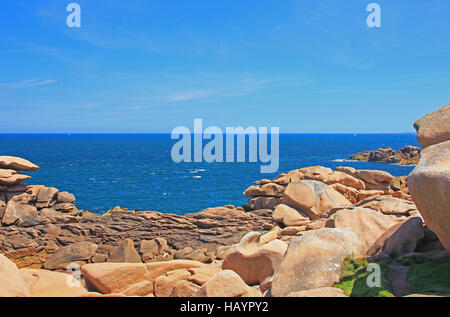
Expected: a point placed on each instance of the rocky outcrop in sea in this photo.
(409, 155)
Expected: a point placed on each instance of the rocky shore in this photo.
(300, 234)
(409, 155)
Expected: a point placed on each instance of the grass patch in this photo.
(354, 279)
(430, 277)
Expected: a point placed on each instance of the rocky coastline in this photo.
(308, 223)
(409, 155)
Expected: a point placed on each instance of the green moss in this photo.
(430, 277)
(354, 279)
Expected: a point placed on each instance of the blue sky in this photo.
(148, 66)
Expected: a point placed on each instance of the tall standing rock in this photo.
(429, 182)
(429, 185)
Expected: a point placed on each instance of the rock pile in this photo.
(316, 190)
(405, 156)
(429, 182)
(28, 205)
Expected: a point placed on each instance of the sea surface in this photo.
(136, 170)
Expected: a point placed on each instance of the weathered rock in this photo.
(43, 283)
(11, 281)
(202, 274)
(156, 250)
(429, 185)
(289, 216)
(269, 189)
(57, 229)
(142, 288)
(46, 196)
(388, 205)
(254, 262)
(314, 260)
(17, 163)
(184, 288)
(16, 213)
(65, 197)
(2, 208)
(434, 127)
(157, 269)
(263, 202)
(67, 208)
(345, 179)
(110, 278)
(399, 239)
(124, 253)
(374, 177)
(5, 173)
(14, 179)
(164, 284)
(319, 292)
(367, 222)
(80, 251)
(313, 197)
(225, 284)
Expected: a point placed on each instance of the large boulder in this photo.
(289, 216)
(11, 281)
(79, 251)
(124, 252)
(46, 197)
(313, 197)
(164, 284)
(429, 185)
(17, 163)
(225, 284)
(314, 260)
(43, 283)
(388, 205)
(434, 127)
(367, 222)
(255, 262)
(345, 179)
(157, 269)
(110, 278)
(16, 213)
(269, 189)
(374, 177)
(399, 239)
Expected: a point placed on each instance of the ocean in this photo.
(136, 170)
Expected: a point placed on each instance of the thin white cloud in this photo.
(26, 83)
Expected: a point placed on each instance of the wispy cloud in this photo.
(26, 83)
(208, 91)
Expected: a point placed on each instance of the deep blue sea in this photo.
(136, 170)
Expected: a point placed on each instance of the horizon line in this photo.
(169, 133)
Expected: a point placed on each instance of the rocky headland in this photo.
(304, 233)
(409, 155)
